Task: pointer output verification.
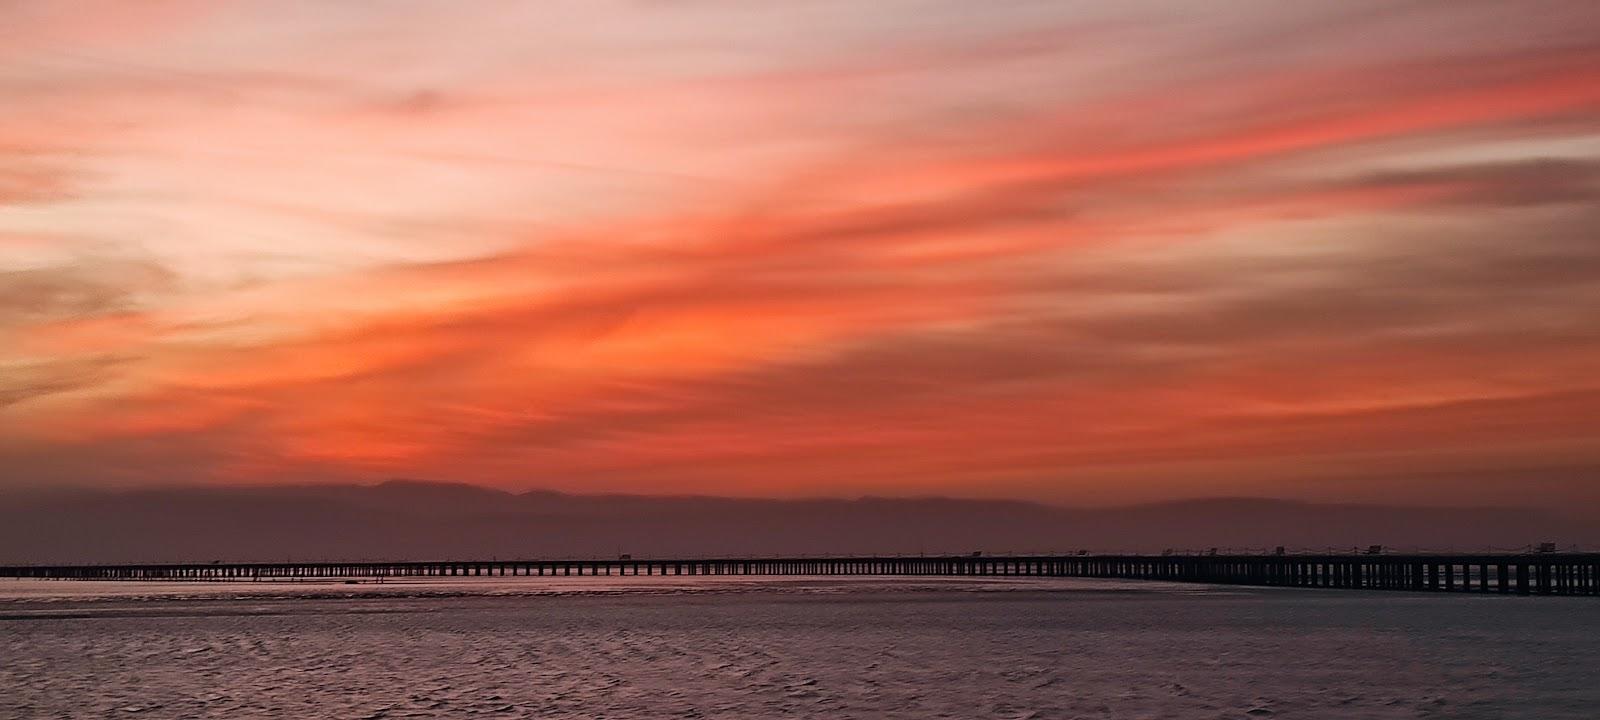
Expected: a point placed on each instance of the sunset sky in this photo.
(1078, 252)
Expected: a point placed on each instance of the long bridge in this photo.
(1545, 573)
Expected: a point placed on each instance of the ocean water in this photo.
(789, 647)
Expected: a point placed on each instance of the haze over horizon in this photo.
(1084, 254)
(410, 520)
(1584, 512)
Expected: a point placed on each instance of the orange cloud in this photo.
(975, 261)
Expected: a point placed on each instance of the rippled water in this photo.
(761, 648)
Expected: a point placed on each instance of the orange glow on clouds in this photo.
(1067, 253)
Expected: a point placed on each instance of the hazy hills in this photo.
(410, 520)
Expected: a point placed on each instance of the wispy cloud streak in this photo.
(1062, 252)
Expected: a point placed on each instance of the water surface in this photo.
(786, 647)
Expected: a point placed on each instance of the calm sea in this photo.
(767, 648)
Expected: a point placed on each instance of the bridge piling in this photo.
(1524, 574)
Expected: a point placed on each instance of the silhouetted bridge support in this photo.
(1526, 574)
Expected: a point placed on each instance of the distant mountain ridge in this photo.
(408, 519)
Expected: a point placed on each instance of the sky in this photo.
(1084, 253)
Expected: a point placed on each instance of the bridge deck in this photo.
(1525, 574)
